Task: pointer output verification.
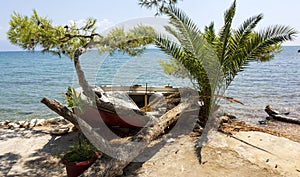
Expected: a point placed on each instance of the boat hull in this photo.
(96, 117)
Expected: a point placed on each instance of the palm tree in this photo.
(213, 60)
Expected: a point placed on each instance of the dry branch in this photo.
(60, 109)
(280, 117)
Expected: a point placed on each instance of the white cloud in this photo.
(104, 25)
(100, 25)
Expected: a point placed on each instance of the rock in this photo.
(40, 122)
(169, 140)
(55, 121)
(231, 116)
(6, 122)
(60, 130)
(25, 124)
(21, 122)
(263, 150)
(32, 123)
(2, 124)
(13, 125)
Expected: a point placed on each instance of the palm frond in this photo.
(260, 42)
(225, 31)
(187, 30)
(209, 33)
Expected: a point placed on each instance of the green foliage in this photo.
(192, 56)
(74, 100)
(233, 48)
(174, 67)
(80, 151)
(214, 59)
(132, 42)
(160, 5)
(35, 31)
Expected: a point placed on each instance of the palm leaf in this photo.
(186, 32)
(225, 32)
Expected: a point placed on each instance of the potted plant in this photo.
(82, 154)
(79, 157)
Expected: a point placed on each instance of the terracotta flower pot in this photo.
(75, 169)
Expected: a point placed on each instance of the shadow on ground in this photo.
(41, 162)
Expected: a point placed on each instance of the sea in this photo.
(28, 76)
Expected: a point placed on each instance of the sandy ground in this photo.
(245, 154)
(29, 152)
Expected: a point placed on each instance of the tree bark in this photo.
(90, 93)
(87, 90)
(109, 166)
(61, 110)
(280, 117)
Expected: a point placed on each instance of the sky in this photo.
(112, 12)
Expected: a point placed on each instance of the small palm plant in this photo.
(212, 60)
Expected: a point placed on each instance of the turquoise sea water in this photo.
(26, 77)
(276, 83)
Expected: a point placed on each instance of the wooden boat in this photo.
(96, 117)
(123, 113)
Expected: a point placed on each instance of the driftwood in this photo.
(61, 110)
(109, 167)
(281, 117)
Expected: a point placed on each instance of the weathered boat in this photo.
(126, 106)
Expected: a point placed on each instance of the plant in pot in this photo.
(79, 157)
(82, 154)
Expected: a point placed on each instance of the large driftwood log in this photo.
(280, 117)
(61, 110)
(109, 167)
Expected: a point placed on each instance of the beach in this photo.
(28, 148)
(31, 152)
(234, 108)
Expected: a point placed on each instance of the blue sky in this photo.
(111, 12)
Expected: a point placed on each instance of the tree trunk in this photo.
(109, 167)
(280, 117)
(98, 100)
(60, 109)
(87, 90)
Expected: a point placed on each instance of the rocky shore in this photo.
(28, 124)
(27, 148)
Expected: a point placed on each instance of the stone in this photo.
(6, 122)
(263, 150)
(2, 124)
(21, 123)
(55, 120)
(25, 124)
(60, 130)
(40, 122)
(32, 123)
(13, 125)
